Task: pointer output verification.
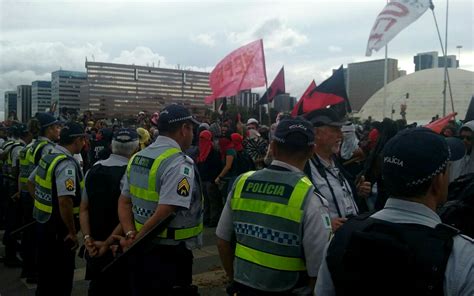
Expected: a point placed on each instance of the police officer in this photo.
(161, 179)
(404, 249)
(49, 128)
(326, 173)
(20, 137)
(279, 225)
(98, 214)
(29, 269)
(58, 180)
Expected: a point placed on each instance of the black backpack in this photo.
(459, 210)
(368, 256)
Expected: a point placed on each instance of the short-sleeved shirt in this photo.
(113, 160)
(342, 190)
(15, 153)
(180, 170)
(316, 227)
(459, 274)
(65, 173)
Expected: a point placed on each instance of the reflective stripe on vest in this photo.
(37, 146)
(25, 167)
(255, 247)
(150, 193)
(43, 207)
(145, 195)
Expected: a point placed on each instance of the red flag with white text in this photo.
(244, 68)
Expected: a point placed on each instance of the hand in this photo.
(363, 188)
(71, 240)
(91, 247)
(337, 222)
(217, 180)
(102, 248)
(125, 242)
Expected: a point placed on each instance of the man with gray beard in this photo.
(327, 174)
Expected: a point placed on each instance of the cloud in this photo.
(334, 49)
(276, 35)
(204, 39)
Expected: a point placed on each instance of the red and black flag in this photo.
(311, 86)
(331, 93)
(276, 88)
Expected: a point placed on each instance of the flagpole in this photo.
(444, 49)
(385, 78)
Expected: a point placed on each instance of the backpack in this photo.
(242, 164)
(459, 210)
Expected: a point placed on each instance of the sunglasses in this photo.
(468, 138)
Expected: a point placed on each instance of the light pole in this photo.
(459, 53)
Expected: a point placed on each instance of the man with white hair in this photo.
(99, 213)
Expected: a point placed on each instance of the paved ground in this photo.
(207, 273)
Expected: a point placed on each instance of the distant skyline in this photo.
(308, 38)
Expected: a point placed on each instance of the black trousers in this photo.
(55, 262)
(114, 282)
(28, 237)
(13, 221)
(158, 270)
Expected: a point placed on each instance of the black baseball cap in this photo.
(173, 114)
(416, 155)
(125, 135)
(72, 130)
(326, 116)
(294, 131)
(46, 119)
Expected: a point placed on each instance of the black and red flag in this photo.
(276, 88)
(331, 93)
(308, 90)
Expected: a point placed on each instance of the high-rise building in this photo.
(244, 98)
(65, 89)
(430, 60)
(117, 90)
(40, 96)
(366, 78)
(10, 104)
(23, 102)
(284, 103)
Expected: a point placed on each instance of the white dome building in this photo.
(425, 89)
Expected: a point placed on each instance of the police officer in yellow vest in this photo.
(20, 137)
(160, 180)
(279, 225)
(58, 180)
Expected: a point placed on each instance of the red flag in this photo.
(438, 125)
(332, 92)
(243, 68)
(311, 86)
(276, 88)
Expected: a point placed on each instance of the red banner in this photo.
(438, 125)
(244, 68)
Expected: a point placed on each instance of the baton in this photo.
(27, 225)
(142, 241)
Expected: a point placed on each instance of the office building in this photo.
(284, 103)
(10, 104)
(366, 78)
(118, 90)
(65, 89)
(23, 102)
(40, 96)
(430, 60)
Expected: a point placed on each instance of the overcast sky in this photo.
(309, 38)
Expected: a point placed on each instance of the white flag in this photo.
(396, 16)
